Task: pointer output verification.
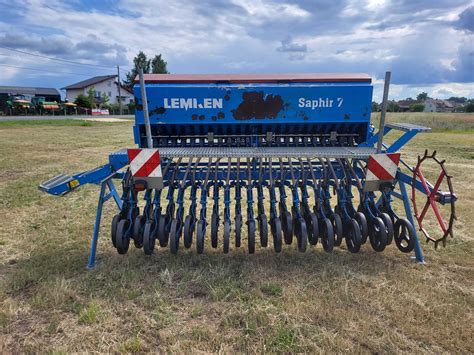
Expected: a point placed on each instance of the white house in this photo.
(107, 84)
(436, 105)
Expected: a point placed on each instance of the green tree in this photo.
(140, 61)
(91, 93)
(460, 100)
(375, 107)
(158, 65)
(422, 96)
(417, 107)
(83, 101)
(393, 107)
(104, 100)
(469, 107)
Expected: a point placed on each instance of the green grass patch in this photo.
(271, 289)
(65, 122)
(90, 314)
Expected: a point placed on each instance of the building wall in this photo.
(430, 106)
(109, 87)
(73, 93)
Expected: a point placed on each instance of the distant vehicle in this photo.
(18, 105)
(44, 107)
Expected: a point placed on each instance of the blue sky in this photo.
(428, 45)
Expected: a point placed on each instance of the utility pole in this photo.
(119, 87)
(384, 111)
(146, 116)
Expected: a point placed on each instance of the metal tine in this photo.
(282, 174)
(324, 176)
(175, 171)
(249, 171)
(195, 168)
(344, 172)
(238, 171)
(354, 174)
(229, 168)
(312, 171)
(293, 179)
(188, 168)
(216, 170)
(206, 178)
(260, 171)
(333, 173)
(363, 168)
(269, 161)
(165, 170)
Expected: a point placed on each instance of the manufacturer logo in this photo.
(192, 103)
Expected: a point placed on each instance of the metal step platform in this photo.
(408, 127)
(265, 152)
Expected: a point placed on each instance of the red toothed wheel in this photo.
(439, 198)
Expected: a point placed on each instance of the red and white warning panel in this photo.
(145, 166)
(381, 168)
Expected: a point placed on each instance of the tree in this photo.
(422, 96)
(158, 65)
(469, 107)
(91, 93)
(460, 100)
(104, 100)
(83, 101)
(375, 107)
(140, 61)
(417, 107)
(393, 106)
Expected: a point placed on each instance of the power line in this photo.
(56, 59)
(45, 71)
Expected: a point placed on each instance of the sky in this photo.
(428, 45)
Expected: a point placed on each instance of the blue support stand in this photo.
(406, 202)
(103, 197)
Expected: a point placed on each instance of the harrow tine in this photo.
(275, 223)
(215, 218)
(285, 215)
(238, 206)
(227, 223)
(299, 223)
(190, 220)
(176, 227)
(262, 218)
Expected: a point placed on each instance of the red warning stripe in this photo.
(378, 170)
(395, 157)
(150, 165)
(132, 154)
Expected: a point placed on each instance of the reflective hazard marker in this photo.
(381, 168)
(145, 166)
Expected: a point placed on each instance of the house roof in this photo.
(85, 83)
(24, 90)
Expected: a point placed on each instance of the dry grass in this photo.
(312, 302)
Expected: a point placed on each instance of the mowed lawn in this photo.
(288, 302)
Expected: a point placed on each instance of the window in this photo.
(98, 94)
(110, 94)
(109, 84)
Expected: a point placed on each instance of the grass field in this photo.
(291, 302)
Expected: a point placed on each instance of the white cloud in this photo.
(416, 40)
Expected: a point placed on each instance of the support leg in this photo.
(95, 235)
(114, 193)
(406, 202)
